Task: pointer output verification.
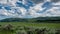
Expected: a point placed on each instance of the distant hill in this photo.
(48, 19)
(13, 20)
(39, 19)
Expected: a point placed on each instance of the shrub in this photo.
(57, 31)
(8, 27)
(41, 31)
(21, 32)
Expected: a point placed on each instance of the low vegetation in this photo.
(29, 28)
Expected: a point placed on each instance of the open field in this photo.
(34, 25)
(50, 25)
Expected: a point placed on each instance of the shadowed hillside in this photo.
(39, 19)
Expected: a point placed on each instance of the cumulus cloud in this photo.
(32, 12)
(55, 1)
(37, 8)
(38, 1)
(3, 1)
(54, 11)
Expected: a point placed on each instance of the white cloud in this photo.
(54, 11)
(3, 1)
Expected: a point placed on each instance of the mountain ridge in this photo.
(39, 19)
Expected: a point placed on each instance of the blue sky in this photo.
(29, 8)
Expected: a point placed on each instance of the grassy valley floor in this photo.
(28, 24)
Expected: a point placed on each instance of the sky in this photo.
(29, 8)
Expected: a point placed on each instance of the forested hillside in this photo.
(39, 19)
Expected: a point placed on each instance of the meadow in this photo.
(51, 27)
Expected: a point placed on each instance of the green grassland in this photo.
(50, 25)
(36, 25)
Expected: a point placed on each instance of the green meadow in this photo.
(50, 25)
(28, 24)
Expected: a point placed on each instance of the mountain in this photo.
(29, 8)
(38, 20)
(13, 20)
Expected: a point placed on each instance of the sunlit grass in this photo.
(29, 24)
(49, 25)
